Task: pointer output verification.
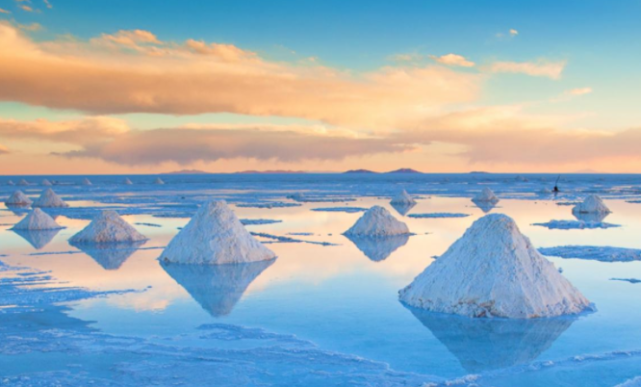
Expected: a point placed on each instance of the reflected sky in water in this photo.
(344, 297)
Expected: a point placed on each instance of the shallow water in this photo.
(320, 314)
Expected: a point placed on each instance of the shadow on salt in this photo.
(378, 248)
(485, 344)
(38, 238)
(217, 288)
(111, 256)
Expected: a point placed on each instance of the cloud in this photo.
(26, 8)
(138, 72)
(3, 150)
(4, 11)
(453, 60)
(186, 146)
(569, 94)
(30, 27)
(88, 130)
(542, 68)
(47, 4)
(406, 57)
(513, 32)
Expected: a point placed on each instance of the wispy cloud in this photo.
(569, 94)
(453, 60)
(513, 32)
(4, 11)
(541, 68)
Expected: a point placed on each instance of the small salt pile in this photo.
(46, 183)
(215, 236)
(159, 181)
(23, 182)
(18, 199)
(108, 227)
(10, 182)
(377, 222)
(591, 205)
(403, 198)
(37, 220)
(86, 181)
(298, 197)
(49, 199)
(545, 191)
(493, 270)
(487, 195)
(127, 181)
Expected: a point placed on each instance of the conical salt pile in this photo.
(49, 199)
(494, 270)
(23, 182)
(591, 205)
(86, 181)
(487, 195)
(46, 183)
(10, 182)
(403, 198)
(545, 191)
(215, 236)
(127, 181)
(298, 197)
(37, 220)
(377, 222)
(108, 227)
(158, 181)
(18, 199)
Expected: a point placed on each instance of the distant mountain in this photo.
(359, 171)
(187, 172)
(404, 170)
(270, 172)
(479, 173)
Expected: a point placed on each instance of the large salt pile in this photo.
(494, 270)
(10, 182)
(37, 220)
(591, 205)
(403, 198)
(108, 227)
(158, 181)
(377, 222)
(487, 195)
(127, 181)
(49, 199)
(86, 181)
(46, 183)
(18, 199)
(215, 236)
(23, 182)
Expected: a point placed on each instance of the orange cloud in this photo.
(4, 11)
(453, 60)
(179, 79)
(85, 131)
(541, 68)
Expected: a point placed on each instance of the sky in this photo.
(116, 87)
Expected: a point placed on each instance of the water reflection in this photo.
(37, 238)
(18, 210)
(486, 344)
(378, 249)
(485, 206)
(594, 217)
(109, 255)
(217, 288)
(403, 208)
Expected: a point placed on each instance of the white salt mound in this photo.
(215, 236)
(108, 227)
(18, 199)
(46, 183)
(37, 220)
(403, 198)
(127, 181)
(591, 205)
(158, 181)
(49, 199)
(86, 181)
(487, 195)
(494, 271)
(377, 222)
(10, 182)
(545, 191)
(23, 182)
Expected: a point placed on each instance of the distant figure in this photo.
(556, 185)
